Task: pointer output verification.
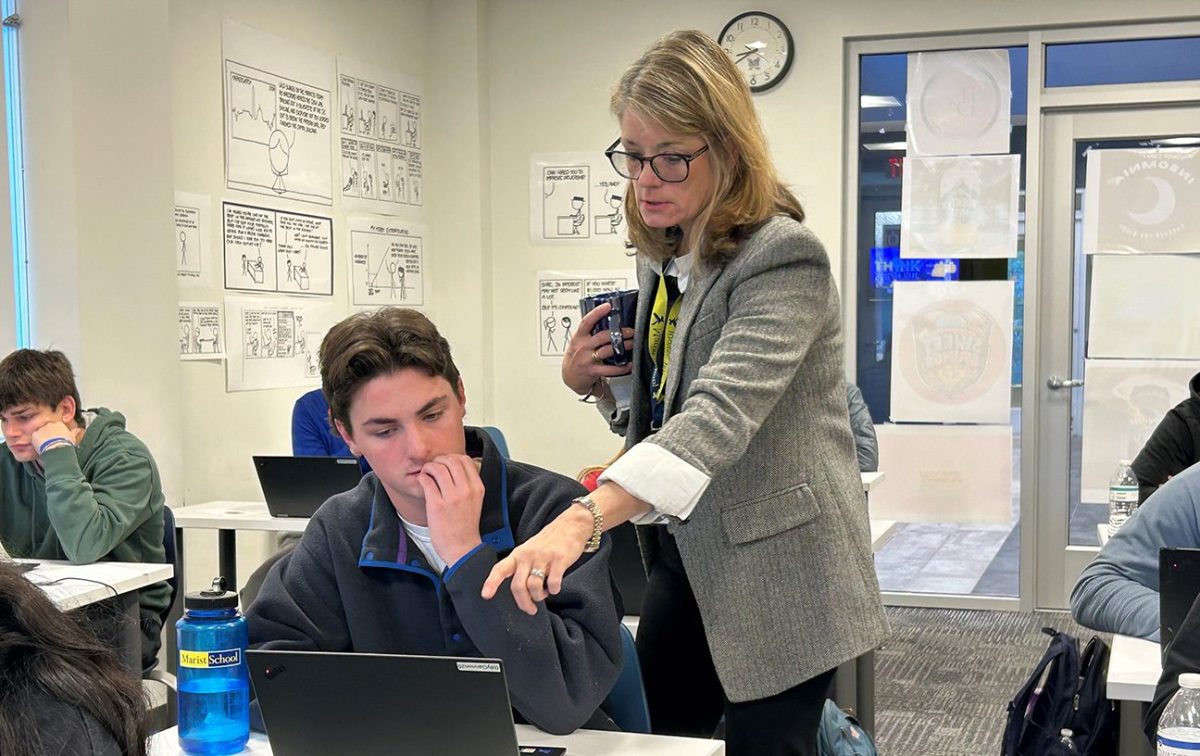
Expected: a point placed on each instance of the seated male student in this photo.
(312, 435)
(75, 484)
(1182, 655)
(1173, 446)
(397, 564)
(1118, 591)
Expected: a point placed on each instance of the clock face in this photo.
(761, 48)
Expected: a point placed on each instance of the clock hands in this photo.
(754, 48)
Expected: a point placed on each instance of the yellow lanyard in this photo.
(665, 314)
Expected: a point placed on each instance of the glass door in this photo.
(1103, 382)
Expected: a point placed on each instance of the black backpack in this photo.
(1065, 691)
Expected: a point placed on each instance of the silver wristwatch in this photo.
(593, 543)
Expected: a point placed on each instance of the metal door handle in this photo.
(1054, 383)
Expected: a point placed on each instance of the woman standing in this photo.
(737, 431)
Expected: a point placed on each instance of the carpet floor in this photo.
(944, 679)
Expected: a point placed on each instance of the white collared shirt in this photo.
(651, 473)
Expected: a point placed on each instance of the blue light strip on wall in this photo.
(16, 169)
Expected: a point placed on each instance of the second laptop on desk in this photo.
(297, 486)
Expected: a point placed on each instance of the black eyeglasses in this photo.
(671, 167)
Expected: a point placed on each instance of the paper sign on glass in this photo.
(959, 103)
(1144, 306)
(1123, 402)
(945, 474)
(1142, 201)
(952, 351)
(964, 207)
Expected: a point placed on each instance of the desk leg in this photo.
(845, 686)
(227, 557)
(865, 684)
(1133, 741)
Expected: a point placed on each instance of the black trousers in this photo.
(682, 689)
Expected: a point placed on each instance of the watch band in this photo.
(593, 543)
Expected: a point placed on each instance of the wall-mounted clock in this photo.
(761, 47)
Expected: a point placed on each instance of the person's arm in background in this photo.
(1183, 655)
(91, 517)
(311, 433)
(865, 442)
(1167, 452)
(1118, 591)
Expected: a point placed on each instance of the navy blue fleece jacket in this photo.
(357, 582)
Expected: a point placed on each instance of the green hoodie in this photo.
(102, 500)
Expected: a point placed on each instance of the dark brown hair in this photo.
(371, 344)
(44, 652)
(30, 376)
(686, 84)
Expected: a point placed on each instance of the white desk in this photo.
(871, 480)
(579, 743)
(71, 586)
(1133, 671)
(1102, 533)
(228, 517)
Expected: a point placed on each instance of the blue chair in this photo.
(498, 440)
(627, 701)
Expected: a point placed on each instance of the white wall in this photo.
(124, 106)
(553, 65)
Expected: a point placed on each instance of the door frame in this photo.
(1039, 552)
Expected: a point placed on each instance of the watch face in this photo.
(761, 48)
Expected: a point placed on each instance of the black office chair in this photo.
(166, 714)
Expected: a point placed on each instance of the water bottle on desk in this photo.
(1179, 726)
(1122, 496)
(214, 685)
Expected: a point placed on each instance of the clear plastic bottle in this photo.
(1179, 725)
(1122, 496)
(1066, 743)
(214, 683)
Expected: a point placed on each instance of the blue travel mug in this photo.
(622, 315)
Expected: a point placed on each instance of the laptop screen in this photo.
(298, 486)
(321, 702)
(1178, 586)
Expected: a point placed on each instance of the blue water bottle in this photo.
(214, 685)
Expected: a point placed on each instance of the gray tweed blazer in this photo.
(778, 549)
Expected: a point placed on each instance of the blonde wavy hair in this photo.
(686, 84)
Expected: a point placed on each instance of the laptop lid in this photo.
(1178, 586)
(297, 486)
(316, 702)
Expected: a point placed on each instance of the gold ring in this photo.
(596, 356)
(537, 572)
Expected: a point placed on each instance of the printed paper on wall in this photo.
(276, 251)
(959, 103)
(272, 342)
(382, 138)
(1123, 402)
(1142, 201)
(192, 247)
(278, 116)
(201, 333)
(960, 207)
(1144, 306)
(387, 264)
(576, 198)
(945, 474)
(952, 351)
(559, 293)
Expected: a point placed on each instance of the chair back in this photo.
(627, 701)
(498, 440)
(172, 550)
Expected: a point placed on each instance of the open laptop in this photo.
(316, 702)
(297, 486)
(1178, 586)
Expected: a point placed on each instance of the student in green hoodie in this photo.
(75, 484)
